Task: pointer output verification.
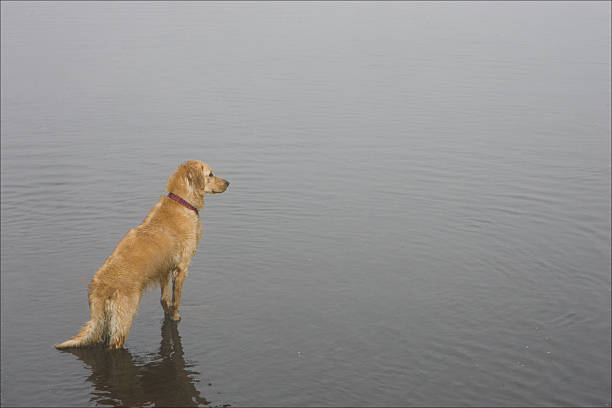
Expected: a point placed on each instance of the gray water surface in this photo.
(419, 209)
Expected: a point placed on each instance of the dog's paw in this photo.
(175, 316)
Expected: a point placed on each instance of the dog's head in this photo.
(192, 179)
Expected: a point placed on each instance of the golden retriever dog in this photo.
(158, 249)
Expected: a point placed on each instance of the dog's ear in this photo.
(196, 177)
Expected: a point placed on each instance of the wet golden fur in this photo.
(154, 252)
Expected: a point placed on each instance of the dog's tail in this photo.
(92, 331)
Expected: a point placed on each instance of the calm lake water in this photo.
(419, 209)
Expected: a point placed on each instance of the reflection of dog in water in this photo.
(159, 379)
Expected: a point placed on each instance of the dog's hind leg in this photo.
(122, 310)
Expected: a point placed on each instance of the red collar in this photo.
(181, 201)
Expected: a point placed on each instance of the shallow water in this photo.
(419, 209)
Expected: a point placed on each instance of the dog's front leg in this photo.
(164, 283)
(178, 276)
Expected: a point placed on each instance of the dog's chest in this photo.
(190, 242)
